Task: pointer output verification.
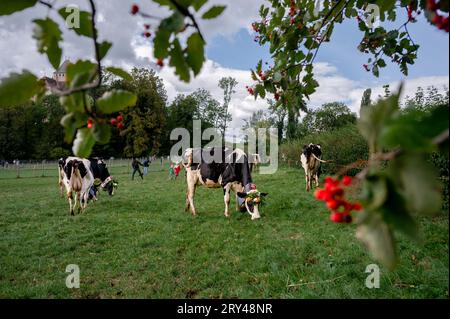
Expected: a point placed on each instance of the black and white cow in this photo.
(311, 163)
(78, 176)
(221, 167)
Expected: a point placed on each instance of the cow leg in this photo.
(70, 198)
(191, 185)
(316, 177)
(306, 180)
(237, 188)
(226, 198)
(188, 205)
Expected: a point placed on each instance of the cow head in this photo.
(252, 201)
(108, 183)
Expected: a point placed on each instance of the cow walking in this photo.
(221, 167)
(311, 163)
(78, 175)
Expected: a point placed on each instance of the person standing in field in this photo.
(146, 166)
(177, 170)
(135, 165)
(171, 172)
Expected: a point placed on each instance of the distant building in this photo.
(58, 81)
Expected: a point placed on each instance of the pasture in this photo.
(141, 244)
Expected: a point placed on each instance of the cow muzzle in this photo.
(253, 210)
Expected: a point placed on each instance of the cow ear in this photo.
(264, 194)
(241, 194)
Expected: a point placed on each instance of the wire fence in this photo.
(34, 169)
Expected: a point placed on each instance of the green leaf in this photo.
(161, 43)
(84, 27)
(104, 48)
(115, 101)
(80, 73)
(213, 12)
(195, 52)
(120, 73)
(102, 133)
(73, 102)
(378, 238)
(8, 7)
(198, 4)
(419, 183)
(177, 60)
(48, 35)
(174, 23)
(84, 142)
(372, 120)
(18, 88)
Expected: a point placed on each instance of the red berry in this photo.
(90, 123)
(147, 34)
(160, 62)
(119, 118)
(336, 217)
(347, 180)
(437, 19)
(147, 26)
(347, 218)
(134, 9)
(113, 122)
(277, 96)
(333, 204)
(357, 207)
(120, 126)
(431, 5)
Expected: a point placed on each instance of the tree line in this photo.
(33, 130)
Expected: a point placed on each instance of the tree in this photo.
(366, 98)
(227, 84)
(145, 122)
(279, 117)
(328, 117)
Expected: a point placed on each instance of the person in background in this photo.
(146, 166)
(171, 172)
(177, 170)
(135, 165)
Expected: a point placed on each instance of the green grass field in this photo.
(141, 244)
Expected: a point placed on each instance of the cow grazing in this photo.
(255, 161)
(221, 167)
(78, 176)
(311, 163)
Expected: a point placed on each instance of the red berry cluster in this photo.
(441, 22)
(293, 9)
(334, 196)
(276, 96)
(134, 9)
(255, 27)
(118, 122)
(250, 90)
(146, 32)
(160, 63)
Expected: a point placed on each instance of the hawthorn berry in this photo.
(160, 63)
(119, 118)
(120, 126)
(113, 122)
(346, 180)
(147, 34)
(432, 5)
(90, 123)
(277, 97)
(134, 9)
(147, 26)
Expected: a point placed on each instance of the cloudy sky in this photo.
(230, 52)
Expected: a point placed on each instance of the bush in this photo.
(342, 146)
